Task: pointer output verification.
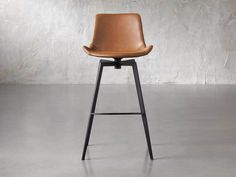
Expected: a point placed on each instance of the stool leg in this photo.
(90, 121)
(142, 108)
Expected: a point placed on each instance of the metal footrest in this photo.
(117, 113)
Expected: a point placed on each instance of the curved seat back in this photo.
(118, 32)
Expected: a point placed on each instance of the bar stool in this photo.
(118, 36)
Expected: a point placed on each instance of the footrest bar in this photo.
(117, 113)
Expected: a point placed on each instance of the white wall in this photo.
(194, 41)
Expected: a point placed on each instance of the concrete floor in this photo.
(42, 128)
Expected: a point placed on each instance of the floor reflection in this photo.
(147, 164)
(89, 170)
(87, 165)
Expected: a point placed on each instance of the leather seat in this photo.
(118, 36)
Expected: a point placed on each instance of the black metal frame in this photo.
(117, 64)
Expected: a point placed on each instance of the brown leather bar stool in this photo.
(118, 36)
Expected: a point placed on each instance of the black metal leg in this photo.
(142, 108)
(118, 65)
(90, 122)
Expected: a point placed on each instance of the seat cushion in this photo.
(118, 54)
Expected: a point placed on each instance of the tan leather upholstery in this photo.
(118, 36)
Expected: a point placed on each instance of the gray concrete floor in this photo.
(42, 128)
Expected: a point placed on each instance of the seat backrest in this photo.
(118, 32)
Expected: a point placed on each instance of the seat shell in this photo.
(118, 36)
